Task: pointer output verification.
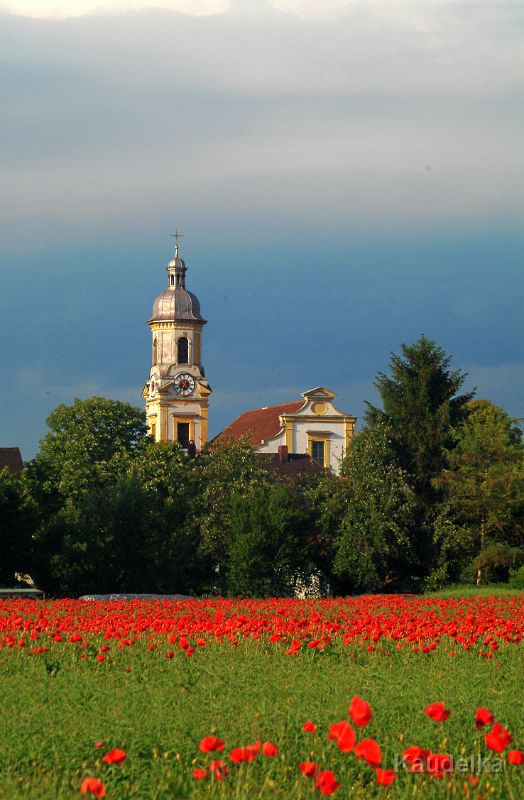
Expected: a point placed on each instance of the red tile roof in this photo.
(10, 457)
(260, 424)
(296, 464)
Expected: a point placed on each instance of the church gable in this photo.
(312, 427)
(319, 403)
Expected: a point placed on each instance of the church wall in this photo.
(336, 433)
(167, 345)
(273, 445)
(299, 438)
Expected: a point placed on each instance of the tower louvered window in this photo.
(183, 351)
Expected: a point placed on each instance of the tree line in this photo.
(430, 492)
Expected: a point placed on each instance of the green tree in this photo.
(226, 469)
(83, 439)
(130, 533)
(375, 507)
(172, 481)
(79, 459)
(116, 511)
(17, 520)
(483, 484)
(326, 500)
(421, 407)
(267, 545)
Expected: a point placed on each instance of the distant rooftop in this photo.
(260, 424)
(289, 466)
(11, 458)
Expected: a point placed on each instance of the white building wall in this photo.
(273, 444)
(317, 418)
(337, 438)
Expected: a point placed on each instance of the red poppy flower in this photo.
(210, 743)
(437, 712)
(115, 756)
(360, 711)
(336, 728)
(295, 647)
(344, 735)
(309, 727)
(369, 750)
(498, 739)
(199, 773)
(251, 751)
(439, 763)
(483, 717)
(326, 782)
(99, 744)
(245, 754)
(516, 757)
(218, 770)
(416, 758)
(308, 768)
(385, 777)
(270, 749)
(237, 755)
(93, 786)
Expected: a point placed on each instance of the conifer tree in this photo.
(421, 407)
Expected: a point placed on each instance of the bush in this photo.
(495, 563)
(517, 578)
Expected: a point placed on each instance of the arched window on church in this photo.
(172, 280)
(155, 350)
(183, 350)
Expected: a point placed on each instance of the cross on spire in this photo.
(176, 236)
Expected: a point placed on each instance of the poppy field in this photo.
(365, 697)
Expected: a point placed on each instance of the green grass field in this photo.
(493, 590)
(55, 706)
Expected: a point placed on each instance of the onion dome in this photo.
(176, 303)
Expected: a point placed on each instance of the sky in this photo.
(346, 175)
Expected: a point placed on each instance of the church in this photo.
(296, 435)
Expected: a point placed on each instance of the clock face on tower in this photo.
(184, 384)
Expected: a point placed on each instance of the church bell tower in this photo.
(177, 391)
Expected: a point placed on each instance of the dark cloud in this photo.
(344, 183)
